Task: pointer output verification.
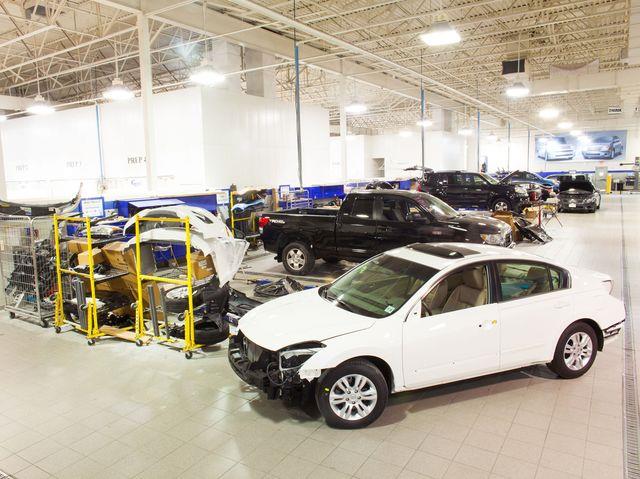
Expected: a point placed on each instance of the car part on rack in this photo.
(35, 209)
(281, 287)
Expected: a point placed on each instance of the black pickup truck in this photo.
(369, 222)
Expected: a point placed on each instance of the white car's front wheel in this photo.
(576, 351)
(352, 395)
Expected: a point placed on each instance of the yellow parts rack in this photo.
(92, 330)
(189, 328)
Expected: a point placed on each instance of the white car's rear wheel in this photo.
(352, 395)
(575, 352)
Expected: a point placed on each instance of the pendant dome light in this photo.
(205, 74)
(40, 106)
(518, 89)
(118, 91)
(441, 32)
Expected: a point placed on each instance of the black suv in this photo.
(468, 190)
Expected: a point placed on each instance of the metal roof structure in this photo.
(68, 50)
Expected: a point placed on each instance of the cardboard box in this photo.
(507, 217)
(119, 256)
(98, 257)
(77, 245)
(202, 266)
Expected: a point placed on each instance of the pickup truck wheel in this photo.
(352, 395)
(501, 204)
(298, 258)
(576, 351)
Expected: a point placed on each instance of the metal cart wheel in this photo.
(138, 342)
(12, 315)
(45, 323)
(91, 342)
(58, 329)
(188, 354)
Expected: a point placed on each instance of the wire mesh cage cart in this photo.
(27, 266)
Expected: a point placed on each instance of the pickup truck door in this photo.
(402, 222)
(356, 229)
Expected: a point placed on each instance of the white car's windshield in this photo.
(378, 287)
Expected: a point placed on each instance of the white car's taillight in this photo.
(608, 285)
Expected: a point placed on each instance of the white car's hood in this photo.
(297, 318)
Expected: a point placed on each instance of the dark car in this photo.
(578, 195)
(608, 146)
(468, 190)
(519, 176)
(370, 222)
(560, 177)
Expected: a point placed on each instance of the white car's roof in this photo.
(443, 255)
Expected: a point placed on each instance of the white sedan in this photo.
(423, 315)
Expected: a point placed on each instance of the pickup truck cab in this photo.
(370, 222)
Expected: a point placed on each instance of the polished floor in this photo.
(115, 410)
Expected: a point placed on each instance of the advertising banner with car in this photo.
(594, 145)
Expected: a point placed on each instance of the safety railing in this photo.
(91, 328)
(189, 319)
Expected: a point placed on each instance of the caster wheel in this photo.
(12, 315)
(45, 323)
(58, 330)
(181, 317)
(91, 342)
(138, 342)
(188, 354)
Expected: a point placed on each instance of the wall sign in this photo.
(92, 207)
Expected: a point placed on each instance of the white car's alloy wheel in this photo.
(578, 351)
(353, 397)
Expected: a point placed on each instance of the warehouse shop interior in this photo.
(344, 239)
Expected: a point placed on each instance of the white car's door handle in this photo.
(561, 304)
(488, 324)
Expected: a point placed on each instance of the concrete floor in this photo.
(115, 410)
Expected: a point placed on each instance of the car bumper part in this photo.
(258, 367)
(613, 330)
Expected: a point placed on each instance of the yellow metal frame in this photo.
(232, 216)
(189, 328)
(92, 330)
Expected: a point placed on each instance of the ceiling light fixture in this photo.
(576, 133)
(206, 75)
(465, 131)
(424, 123)
(440, 33)
(492, 137)
(40, 106)
(405, 133)
(517, 90)
(118, 91)
(548, 113)
(565, 125)
(356, 108)
(3, 118)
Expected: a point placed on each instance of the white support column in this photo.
(146, 83)
(3, 177)
(226, 58)
(343, 128)
(260, 82)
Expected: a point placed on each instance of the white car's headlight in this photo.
(296, 355)
(604, 148)
(521, 191)
(494, 239)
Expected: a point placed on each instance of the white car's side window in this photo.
(519, 280)
(466, 288)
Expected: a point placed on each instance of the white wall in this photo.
(204, 139)
(251, 141)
